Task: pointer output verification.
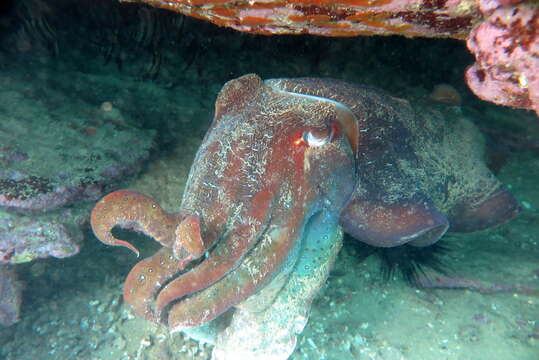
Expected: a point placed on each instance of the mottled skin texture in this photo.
(418, 173)
(284, 161)
(269, 162)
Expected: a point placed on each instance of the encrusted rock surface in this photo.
(506, 47)
(57, 150)
(10, 296)
(25, 238)
(50, 158)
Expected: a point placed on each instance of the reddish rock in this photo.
(502, 34)
(506, 47)
(427, 18)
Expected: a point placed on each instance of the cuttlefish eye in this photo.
(318, 137)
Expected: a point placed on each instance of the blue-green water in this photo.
(97, 68)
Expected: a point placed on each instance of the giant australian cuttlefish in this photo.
(285, 167)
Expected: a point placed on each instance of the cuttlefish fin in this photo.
(495, 209)
(388, 225)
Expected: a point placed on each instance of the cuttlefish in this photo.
(285, 166)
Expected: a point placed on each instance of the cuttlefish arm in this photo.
(132, 210)
(269, 256)
(180, 236)
(226, 256)
(146, 279)
(281, 308)
(250, 254)
(270, 160)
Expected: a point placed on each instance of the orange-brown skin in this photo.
(263, 166)
(129, 208)
(146, 279)
(126, 208)
(279, 153)
(226, 258)
(410, 18)
(256, 181)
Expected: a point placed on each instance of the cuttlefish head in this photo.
(271, 160)
(268, 149)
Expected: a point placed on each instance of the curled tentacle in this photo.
(132, 210)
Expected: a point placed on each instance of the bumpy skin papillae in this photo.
(267, 177)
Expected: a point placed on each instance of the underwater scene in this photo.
(269, 179)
